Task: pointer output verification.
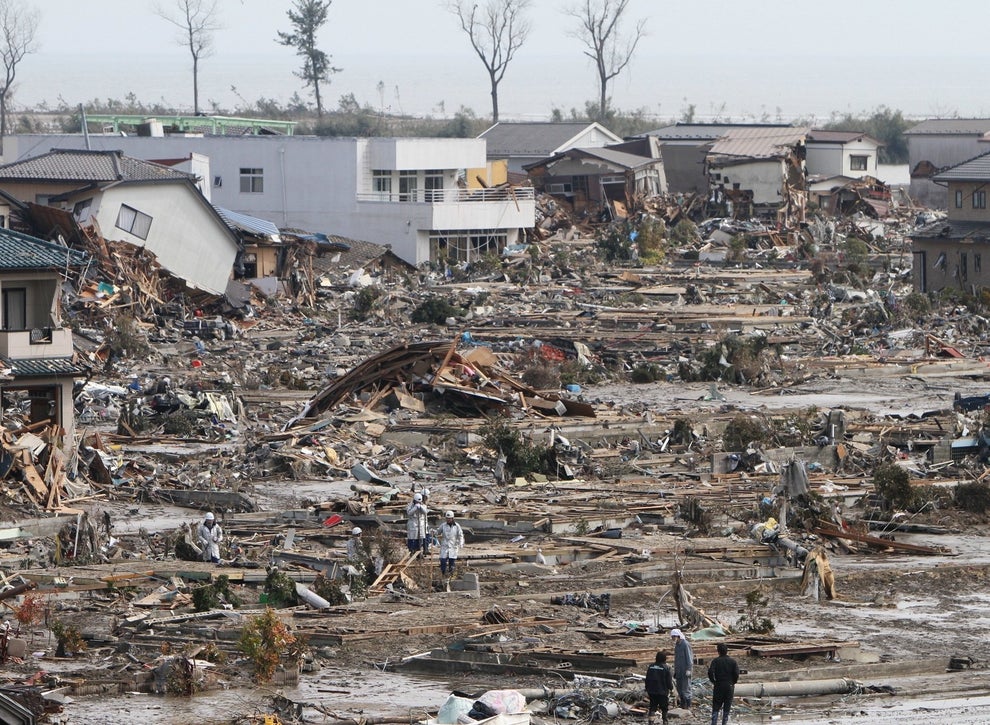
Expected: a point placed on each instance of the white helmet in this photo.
(355, 531)
(449, 515)
(426, 492)
(418, 498)
(210, 516)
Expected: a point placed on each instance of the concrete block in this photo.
(467, 583)
(16, 648)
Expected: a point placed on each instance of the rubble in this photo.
(776, 369)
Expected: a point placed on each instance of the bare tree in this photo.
(196, 21)
(19, 25)
(497, 29)
(307, 17)
(598, 28)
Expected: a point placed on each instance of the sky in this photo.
(769, 58)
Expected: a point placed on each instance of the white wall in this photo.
(763, 178)
(824, 159)
(185, 236)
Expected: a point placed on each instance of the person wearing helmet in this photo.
(355, 549)
(417, 526)
(451, 540)
(210, 535)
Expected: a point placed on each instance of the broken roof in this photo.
(975, 169)
(70, 165)
(824, 136)
(954, 230)
(620, 159)
(942, 126)
(761, 142)
(22, 251)
(537, 139)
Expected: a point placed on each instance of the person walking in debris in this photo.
(451, 541)
(417, 527)
(210, 535)
(683, 660)
(723, 673)
(659, 685)
(355, 547)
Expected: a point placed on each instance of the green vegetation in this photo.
(743, 430)
(522, 456)
(973, 497)
(280, 589)
(265, 641)
(893, 485)
(435, 310)
(755, 617)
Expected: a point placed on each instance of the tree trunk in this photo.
(494, 99)
(195, 86)
(319, 101)
(3, 120)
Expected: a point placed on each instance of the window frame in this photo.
(14, 296)
(856, 159)
(252, 180)
(979, 199)
(432, 184)
(136, 226)
(408, 186)
(381, 183)
(959, 199)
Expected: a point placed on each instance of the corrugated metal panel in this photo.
(973, 126)
(250, 224)
(758, 143)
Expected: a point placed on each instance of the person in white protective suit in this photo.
(210, 535)
(355, 548)
(417, 526)
(451, 540)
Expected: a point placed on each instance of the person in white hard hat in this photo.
(451, 541)
(355, 549)
(210, 535)
(417, 526)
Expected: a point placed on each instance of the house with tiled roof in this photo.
(937, 144)
(36, 354)
(126, 199)
(949, 253)
(851, 154)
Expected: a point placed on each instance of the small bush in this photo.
(755, 617)
(522, 456)
(973, 497)
(541, 376)
(364, 302)
(893, 485)
(435, 310)
(126, 339)
(281, 589)
(741, 431)
(647, 373)
(684, 233)
(264, 641)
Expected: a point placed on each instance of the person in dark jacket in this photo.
(723, 673)
(659, 685)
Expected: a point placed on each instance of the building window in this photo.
(466, 246)
(859, 163)
(381, 183)
(580, 185)
(133, 221)
(963, 266)
(433, 184)
(407, 186)
(959, 198)
(15, 308)
(252, 181)
(980, 199)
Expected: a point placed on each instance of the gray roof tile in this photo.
(965, 126)
(530, 139)
(975, 169)
(21, 251)
(88, 166)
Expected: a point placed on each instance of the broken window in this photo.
(977, 263)
(980, 199)
(133, 221)
(959, 198)
(963, 266)
(15, 308)
(940, 262)
(859, 163)
(381, 183)
(466, 246)
(433, 184)
(579, 184)
(407, 186)
(252, 181)
(80, 212)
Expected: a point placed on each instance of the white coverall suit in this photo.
(451, 540)
(209, 541)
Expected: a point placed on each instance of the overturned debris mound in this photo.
(470, 381)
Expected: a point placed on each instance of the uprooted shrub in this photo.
(435, 310)
(755, 617)
(265, 641)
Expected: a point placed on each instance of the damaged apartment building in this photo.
(407, 193)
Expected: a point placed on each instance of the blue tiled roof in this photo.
(21, 251)
(42, 367)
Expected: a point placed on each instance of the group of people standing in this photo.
(661, 680)
(449, 534)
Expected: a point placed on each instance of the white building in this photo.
(402, 192)
(841, 153)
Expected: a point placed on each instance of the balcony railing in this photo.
(451, 196)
